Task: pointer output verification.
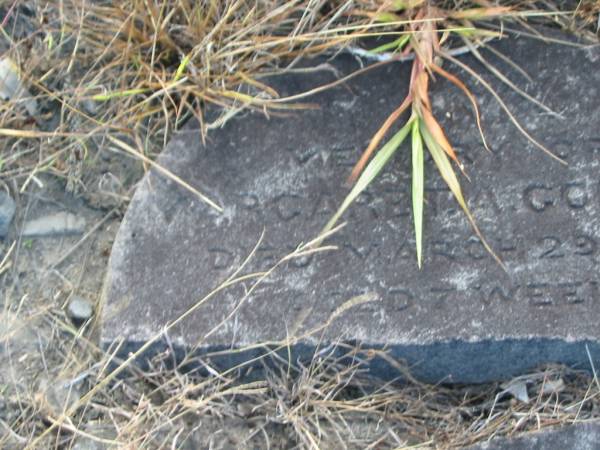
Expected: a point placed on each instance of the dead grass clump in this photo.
(327, 401)
(137, 69)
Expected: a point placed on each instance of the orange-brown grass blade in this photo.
(371, 171)
(454, 80)
(480, 13)
(376, 139)
(445, 168)
(421, 89)
(437, 133)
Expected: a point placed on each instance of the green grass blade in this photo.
(396, 45)
(387, 17)
(182, 65)
(371, 171)
(418, 188)
(119, 94)
(445, 168)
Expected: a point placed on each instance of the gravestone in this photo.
(581, 436)
(461, 318)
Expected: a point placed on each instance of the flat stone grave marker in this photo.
(580, 436)
(459, 319)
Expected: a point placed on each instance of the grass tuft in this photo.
(431, 25)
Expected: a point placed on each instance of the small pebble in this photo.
(80, 309)
(7, 212)
(59, 224)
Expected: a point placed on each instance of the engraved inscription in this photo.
(500, 293)
(542, 293)
(287, 206)
(552, 247)
(555, 247)
(401, 297)
(541, 197)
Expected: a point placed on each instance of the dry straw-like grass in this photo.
(137, 69)
(273, 400)
(122, 76)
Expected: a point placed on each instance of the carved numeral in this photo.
(552, 246)
(585, 245)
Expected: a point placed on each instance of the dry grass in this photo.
(331, 402)
(61, 391)
(122, 76)
(137, 69)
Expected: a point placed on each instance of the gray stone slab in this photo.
(461, 318)
(583, 436)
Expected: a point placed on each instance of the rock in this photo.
(80, 309)
(58, 395)
(13, 88)
(582, 436)
(462, 318)
(58, 224)
(88, 444)
(7, 212)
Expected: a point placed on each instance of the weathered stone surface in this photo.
(583, 436)
(460, 318)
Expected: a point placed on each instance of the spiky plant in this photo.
(423, 42)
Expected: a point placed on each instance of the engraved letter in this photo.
(499, 293)
(575, 195)
(571, 294)
(538, 294)
(219, 258)
(551, 246)
(400, 298)
(286, 206)
(538, 197)
(475, 248)
(585, 245)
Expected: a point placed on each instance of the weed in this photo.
(429, 27)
